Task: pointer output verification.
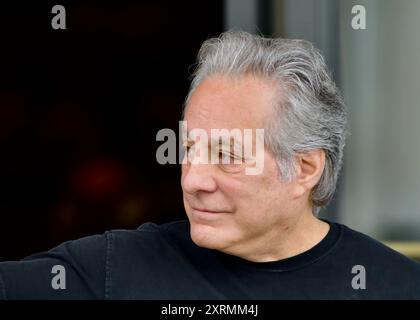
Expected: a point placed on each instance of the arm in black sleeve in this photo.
(73, 270)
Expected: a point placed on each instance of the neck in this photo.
(292, 238)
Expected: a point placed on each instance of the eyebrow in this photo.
(219, 141)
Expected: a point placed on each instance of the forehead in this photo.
(222, 101)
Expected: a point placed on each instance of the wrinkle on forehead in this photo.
(222, 101)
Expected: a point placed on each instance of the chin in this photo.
(207, 236)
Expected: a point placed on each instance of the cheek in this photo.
(261, 198)
(247, 197)
(230, 191)
(183, 170)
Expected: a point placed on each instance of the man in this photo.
(248, 236)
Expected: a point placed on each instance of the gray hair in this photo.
(310, 113)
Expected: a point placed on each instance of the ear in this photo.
(309, 168)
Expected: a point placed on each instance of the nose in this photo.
(198, 177)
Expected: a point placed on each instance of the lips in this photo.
(204, 215)
(206, 210)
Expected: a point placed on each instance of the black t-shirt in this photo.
(162, 262)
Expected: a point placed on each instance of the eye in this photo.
(226, 155)
(235, 164)
(187, 147)
(221, 155)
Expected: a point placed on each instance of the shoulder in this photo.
(91, 264)
(386, 268)
(149, 238)
(362, 245)
(151, 230)
(77, 265)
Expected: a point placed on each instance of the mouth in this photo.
(206, 210)
(205, 214)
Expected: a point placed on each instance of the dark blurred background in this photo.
(79, 113)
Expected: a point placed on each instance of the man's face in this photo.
(229, 210)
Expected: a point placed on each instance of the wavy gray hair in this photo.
(310, 113)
